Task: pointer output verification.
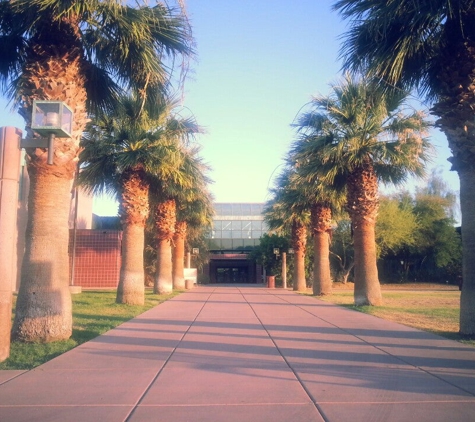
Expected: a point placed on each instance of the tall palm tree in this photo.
(288, 211)
(428, 44)
(355, 137)
(121, 152)
(166, 192)
(82, 52)
(196, 211)
(194, 208)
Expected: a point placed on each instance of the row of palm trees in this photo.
(150, 164)
(428, 45)
(102, 58)
(350, 140)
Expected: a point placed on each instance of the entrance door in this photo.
(232, 275)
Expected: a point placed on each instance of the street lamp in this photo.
(49, 119)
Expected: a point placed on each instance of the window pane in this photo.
(236, 209)
(227, 209)
(236, 234)
(246, 209)
(256, 225)
(238, 243)
(257, 209)
(236, 225)
(218, 208)
(227, 244)
(217, 225)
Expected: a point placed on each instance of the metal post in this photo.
(284, 270)
(50, 148)
(75, 229)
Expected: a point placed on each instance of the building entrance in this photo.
(231, 268)
(232, 275)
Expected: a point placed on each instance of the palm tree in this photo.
(288, 210)
(194, 208)
(166, 191)
(83, 53)
(121, 152)
(195, 211)
(353, 138)
(429, 45)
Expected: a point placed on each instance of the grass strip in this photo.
(94, 313)
(437, 312)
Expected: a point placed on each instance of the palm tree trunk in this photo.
(362, 206)
(322, 282)
(163, 278)
(165, 220)
(131, 288)
(367, 287)
(299, 243)
(134, 210)
(179, 255)
(44, 310)
(467, 298)
(321, 217)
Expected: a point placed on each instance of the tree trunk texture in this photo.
(321, 217)
(467, 298)
(179, 255)
(131, 288)
(299, 243)
(43, 310)
(163, 279)
(455, 111)
(134, 210)
(165, 220)
(52, 72)
(367, 287)
(362, 206)
(322, 282)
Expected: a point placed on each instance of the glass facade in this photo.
(237, 226)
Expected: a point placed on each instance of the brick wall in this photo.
(97, 258)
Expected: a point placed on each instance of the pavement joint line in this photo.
(12, 378)
(381, 349)
(127, 418)
(228, 404)
(307, 391)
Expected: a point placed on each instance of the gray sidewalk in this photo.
(244, 353)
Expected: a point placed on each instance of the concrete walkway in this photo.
(244, 353)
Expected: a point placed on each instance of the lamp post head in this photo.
(52, 117)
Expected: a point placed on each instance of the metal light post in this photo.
(50, 119)
(284, 270)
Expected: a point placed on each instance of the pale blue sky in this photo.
(258, 63)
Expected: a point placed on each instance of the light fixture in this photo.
(49, 119)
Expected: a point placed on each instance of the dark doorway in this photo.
(231, 268)
(232, 275)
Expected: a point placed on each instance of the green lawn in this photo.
(94, 313)
(428, 310)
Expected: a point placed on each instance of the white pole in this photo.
(284, 270)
